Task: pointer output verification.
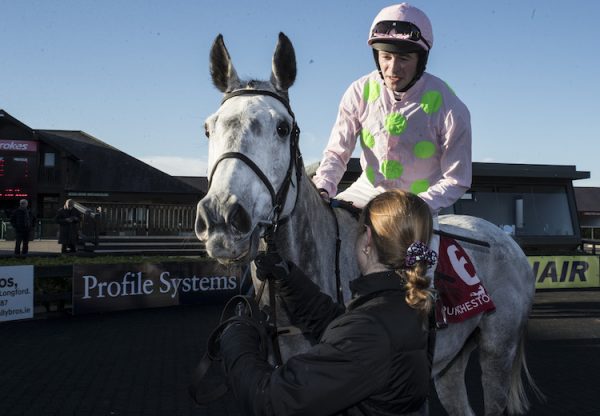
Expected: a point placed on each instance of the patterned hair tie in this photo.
(417, 252)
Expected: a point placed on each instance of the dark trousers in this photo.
(21, 239)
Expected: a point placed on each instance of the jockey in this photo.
(414, 132)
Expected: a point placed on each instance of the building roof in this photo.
(588, 199)
(528, 171)
(5, 116)
(198, 182)
(103, 168)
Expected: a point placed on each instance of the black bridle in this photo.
(279, 197)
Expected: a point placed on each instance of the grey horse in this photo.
(250, 150)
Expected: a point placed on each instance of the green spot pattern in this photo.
(424, 149)
(370, 174)
(431, 101)
(371, 91)
(368, 140)
(391, 169)
(395, 124)
(418, 186)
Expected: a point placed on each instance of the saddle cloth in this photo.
(460, 291)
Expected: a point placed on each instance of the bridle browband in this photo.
(279, 197)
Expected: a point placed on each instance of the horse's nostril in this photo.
(200, 224)
(202, 215)
(238, 218)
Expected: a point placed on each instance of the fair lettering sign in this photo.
(102, 288)
(565, 272)
(16, 292)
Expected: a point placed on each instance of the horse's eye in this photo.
(206, 132)
(283, 129)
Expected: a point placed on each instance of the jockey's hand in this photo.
(271, 265)
(324, 195)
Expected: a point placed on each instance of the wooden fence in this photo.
(138, 219)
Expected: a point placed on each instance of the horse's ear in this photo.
(222, 71)
(283, 73)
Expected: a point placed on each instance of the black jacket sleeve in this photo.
(350, 365)
(245, 364)
(310, 309)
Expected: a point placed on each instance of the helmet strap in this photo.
(421, 65)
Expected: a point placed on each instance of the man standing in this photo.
(68, 219)
(22, 221)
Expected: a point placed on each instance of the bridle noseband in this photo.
(279, 197)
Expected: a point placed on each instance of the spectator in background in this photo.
(22, 221)
(68, 218)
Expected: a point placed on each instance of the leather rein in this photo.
(278, 200)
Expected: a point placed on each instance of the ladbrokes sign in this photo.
(99, 288)
(18, 145)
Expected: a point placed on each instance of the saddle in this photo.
(346, 206)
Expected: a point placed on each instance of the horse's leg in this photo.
(450, 383)
(498, 350)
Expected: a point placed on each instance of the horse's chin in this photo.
(238, 252)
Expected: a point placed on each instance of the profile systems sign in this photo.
(565, 272)
(102, 288)
(16, 293)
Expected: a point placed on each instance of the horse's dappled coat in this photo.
(234, 213)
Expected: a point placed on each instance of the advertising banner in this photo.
(16, 292)
(18, 145)
(565, 272)
(102, 288)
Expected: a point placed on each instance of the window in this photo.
(49, 160)
(535, 210)
(590, 233)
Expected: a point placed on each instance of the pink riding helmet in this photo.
(401, 25)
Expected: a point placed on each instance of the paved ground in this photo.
(138, 363)
(36, 247)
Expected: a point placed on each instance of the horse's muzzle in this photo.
(233, 217)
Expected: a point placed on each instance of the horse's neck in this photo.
(309, 237)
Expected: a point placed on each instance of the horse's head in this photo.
(252, 144)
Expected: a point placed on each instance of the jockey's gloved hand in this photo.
(271, 265)
(324, 194)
